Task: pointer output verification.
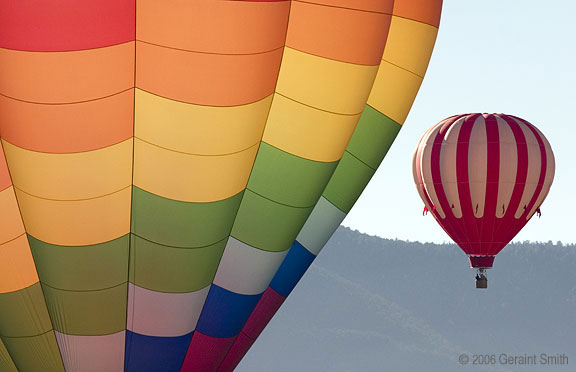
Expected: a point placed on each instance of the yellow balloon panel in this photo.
(73, 176)
(308, 132)
(195, 129)
(325, 84)
(17, 269)
(394, 91)
(66, 77)
(191, 178)
(410, 44)
(76, 223)
(10, 221)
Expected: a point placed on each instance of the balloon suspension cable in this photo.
(481, 278)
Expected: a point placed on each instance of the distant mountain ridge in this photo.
(372, 304)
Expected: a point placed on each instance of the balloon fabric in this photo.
(170, 169)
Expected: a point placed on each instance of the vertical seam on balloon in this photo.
(487, 222)
(543, 169)
(131, 251)
(473, 220)
(454, 228)
(456, 225)
(509, 224)
(184, 361)
(418, 168)
(322, 194)
(463, 182)
(35, 268)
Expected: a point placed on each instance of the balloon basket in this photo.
(481, 279)
(481, 283)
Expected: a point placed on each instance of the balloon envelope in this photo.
(483, 176)
(158, 160)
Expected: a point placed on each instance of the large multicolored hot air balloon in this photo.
(159, 158)
(483, 176)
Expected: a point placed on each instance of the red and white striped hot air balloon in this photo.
(483, 176)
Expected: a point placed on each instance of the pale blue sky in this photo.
(511, 56)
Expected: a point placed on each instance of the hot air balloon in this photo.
(159, 159)
(483, 177)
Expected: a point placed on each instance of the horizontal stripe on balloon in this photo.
(205, 353)
(262, 314)
(239, 348)
(17, 269)
(16, 310)
(153, 354)
(162, 314)
(219, 27)
(206, 79)
(10, 219)
(378, 6)
(307, 132)
(292, 269)
(269, 303)
(92, 353)
(225, 312)
(182, 224)
(246, 270)
(56, 78)
(88, 313)
(427, 11)
(409, 45)
(35, 353)
(190, 177)
(68, 128)
(394, 91)
(84, 222)
(196, 129)
(5, 180)
(77, 176)
(66, 26)
(288, 179)
(323, 83)
(281, 222)
(319, 226)
(6, 360)
(341, 34)
(172, 269)
(81, 268)
(373, 137)
(347, 183)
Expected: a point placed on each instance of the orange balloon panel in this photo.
(345, 35)
(206, 79)
(17, 269)
(66, 77)
(241, 27)
(68, 128)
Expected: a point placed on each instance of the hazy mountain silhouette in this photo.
(374, 305)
